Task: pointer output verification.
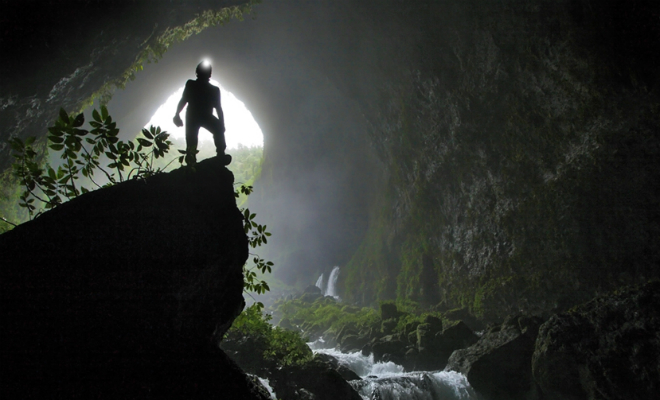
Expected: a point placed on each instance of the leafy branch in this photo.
(81, 152)
(257, 236)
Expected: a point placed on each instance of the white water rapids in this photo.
(387, 381)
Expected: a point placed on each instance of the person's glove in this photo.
(177, 121)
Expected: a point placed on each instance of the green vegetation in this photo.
(324, 314)
(258, 344)
(81, 152)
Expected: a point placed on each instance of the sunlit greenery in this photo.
(267, 343)
(82, 152)
(323, 314)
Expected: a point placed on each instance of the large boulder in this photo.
(608, 348)
(315, 379)
(454, 337)
(124, 292)
(343, 370)
(353, 342)
(434, 346)
(498, 365)
(388, 345)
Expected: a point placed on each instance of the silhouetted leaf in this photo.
(55, 139)
(80, 119)
(63, 115)
(144, 142)
(147, 134)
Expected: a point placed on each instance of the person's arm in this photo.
(179, 107)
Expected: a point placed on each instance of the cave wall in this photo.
(520, 140)
(504, 151)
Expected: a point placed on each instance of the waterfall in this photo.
(266, 384)
(319, 283)
(332, 283)
(387, 381)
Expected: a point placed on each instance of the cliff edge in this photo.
(124, 292)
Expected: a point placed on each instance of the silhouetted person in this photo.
(202, 98)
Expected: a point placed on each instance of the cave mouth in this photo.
(242, 129)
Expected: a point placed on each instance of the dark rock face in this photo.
(388, 345)
(314, 380)
(435, 346)
(388, 311)
(455, 337)
(498, 365)
(608, 348)
(124, 292)
(344, 371)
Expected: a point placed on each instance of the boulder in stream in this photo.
(498, 365)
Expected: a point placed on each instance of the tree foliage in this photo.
(81, 152)
(257, 236)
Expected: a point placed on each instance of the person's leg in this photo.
(212, 124)
(192, 131)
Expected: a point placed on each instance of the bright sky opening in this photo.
(239, 124)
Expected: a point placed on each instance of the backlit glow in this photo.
(239, 124)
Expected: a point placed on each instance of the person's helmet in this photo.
(203, 69)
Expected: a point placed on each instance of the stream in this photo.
(387, 381)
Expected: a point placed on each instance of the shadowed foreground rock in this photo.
(608, 348)
(124, 292)
(315, 380)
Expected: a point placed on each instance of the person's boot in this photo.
(191, 156)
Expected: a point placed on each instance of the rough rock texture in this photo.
(608, 348)
(124, 292)
(498, 365)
